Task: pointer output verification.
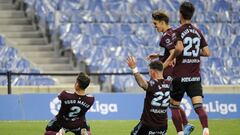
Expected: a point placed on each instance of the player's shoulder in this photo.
(64, 94)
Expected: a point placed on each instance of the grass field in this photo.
(217, 127)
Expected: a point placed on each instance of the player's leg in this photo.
(139, 129)
(188, 128)
(176, 97)
(196, 94)
(54, 128)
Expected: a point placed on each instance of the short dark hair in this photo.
(187, 10)
(83, 80)
(160, 16)
(157, 65)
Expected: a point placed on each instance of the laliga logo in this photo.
(186, 106)
(55, 105)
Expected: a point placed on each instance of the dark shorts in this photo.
(192, 88)
(142, 129)
(55, 125)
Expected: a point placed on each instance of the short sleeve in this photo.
(61, 95)
(178, 35)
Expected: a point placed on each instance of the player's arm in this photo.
(140, 80)
(205, 52)
(174, 53)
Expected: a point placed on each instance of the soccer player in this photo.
(189, 47)
(154, 117)
(167, 43)
(74, 105)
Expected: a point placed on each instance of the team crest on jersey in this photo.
(167, 40)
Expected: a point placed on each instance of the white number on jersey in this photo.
(74, 111)
(191, 42)
(161, 99)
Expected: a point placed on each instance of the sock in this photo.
(176, 118)
(202, 115)
(183, 116)
(50, 133)
(180, 133)
(205, 131)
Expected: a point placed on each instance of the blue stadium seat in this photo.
(107, 17)
(22, 65)
(221, 6)
(116, 5)
(132, 18)
(2, 41)
(236, 42)
(69, 33)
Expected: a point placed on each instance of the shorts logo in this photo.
(55, 105)
(186, 106)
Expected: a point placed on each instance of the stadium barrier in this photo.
(117, 106)
(9, 75)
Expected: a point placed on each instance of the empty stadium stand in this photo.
(102, 33)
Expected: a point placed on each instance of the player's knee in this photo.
(174, 106)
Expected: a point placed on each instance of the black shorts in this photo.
(192, 88)
(142, 129)
(55, 125)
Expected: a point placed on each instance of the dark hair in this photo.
(157, 65)
(160, 16)
(83, 80)
(187, 10)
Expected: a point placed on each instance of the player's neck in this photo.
(80, 92)
(186, 22)
(158, 77)
(166, 28)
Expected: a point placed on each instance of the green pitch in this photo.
(217, 127)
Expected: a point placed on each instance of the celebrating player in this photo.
(190, 46)
(71, 117)
(167, 43)
(154, 116)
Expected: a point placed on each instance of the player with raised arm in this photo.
(154, 119)
(74, 105)
(167, 44)
(190, 46)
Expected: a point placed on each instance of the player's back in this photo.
(74, 107)
(188, 62)
(156, 103)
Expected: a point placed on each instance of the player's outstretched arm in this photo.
(131, 61)
(205, 52)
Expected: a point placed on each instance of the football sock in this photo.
(183, 116)
(176, 118)
(180, 133)
(201, 114)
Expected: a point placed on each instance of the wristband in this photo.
(135, 70)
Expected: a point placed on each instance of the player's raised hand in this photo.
(152, 56)
(131, 61)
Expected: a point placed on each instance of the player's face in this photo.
(158, 25)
